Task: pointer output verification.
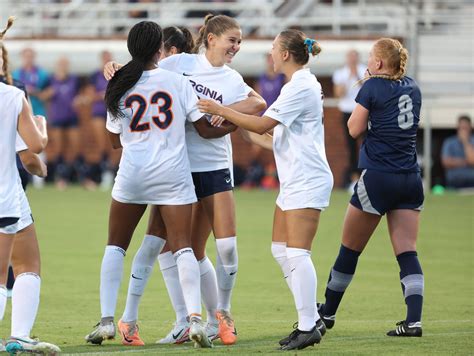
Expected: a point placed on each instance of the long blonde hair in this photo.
(395, 57)
(5, 61)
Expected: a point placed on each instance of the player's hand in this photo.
(110, 69)
(217, 120)
(209, 107)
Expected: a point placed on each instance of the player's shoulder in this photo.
(10, 90)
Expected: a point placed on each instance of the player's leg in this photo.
(6, 247)
(123, 219)
(301, 226)
(279, 243)
(220, 208)
(200, 230)
(55, 144)
(403, 228)
(142, 267)
(71, 153)
(177, 219)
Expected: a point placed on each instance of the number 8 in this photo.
(405, 119)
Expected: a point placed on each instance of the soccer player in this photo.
(148, 108)
(388, 113)
(211, 163)
(305, 178)
(18, 241)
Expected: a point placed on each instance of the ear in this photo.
(285, 55)
(173, 50)
(379, 64)
(210, 37)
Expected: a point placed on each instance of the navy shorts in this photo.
(213, 182)
(72, 122)
(378, 192)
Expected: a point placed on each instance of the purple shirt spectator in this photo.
(270, 87)
(100, 84)
(61, 109)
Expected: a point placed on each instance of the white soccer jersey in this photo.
(20, 145)
(298, 143)
(10, 185)
(222, 84)
(154, 168)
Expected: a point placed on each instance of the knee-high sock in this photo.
(303, 286)
(3, 301)
(171, 277)
(188, 270)
(25, 302)
(412, 281)
(110, 279)
(142, 267)
(339, 279)
(226, 270)
(279, 253)
(209, 289)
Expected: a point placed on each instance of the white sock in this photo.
(188, 270)
(3, 301)
(226, 270)
(303, 286)
(25, 302)
(142, 267)
(209, 289)
(279, 253)
(171, 277)
(110, 279)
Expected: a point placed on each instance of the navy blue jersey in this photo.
(394, 114)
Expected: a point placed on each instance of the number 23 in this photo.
(165, 112)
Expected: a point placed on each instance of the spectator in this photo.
(457, 156)
(34, 78)
(63, 123)
(346, 86)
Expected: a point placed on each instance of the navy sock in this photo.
(339, 279)
(412, 281)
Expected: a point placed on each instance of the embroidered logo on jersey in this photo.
(276, 110)
(201, 89)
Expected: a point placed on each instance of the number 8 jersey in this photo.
(154, 168)
(394, 114)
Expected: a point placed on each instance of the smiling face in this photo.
(226, 45)
(277, 54)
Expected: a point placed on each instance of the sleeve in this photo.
(190, 102)
(446, 150)
(170, 63)
(287, 107)
(244, 88)
(365, 96)
(20, 145)
(113, 125)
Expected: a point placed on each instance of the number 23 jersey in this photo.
(394, 114)
(154, 168)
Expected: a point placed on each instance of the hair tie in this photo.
(309, 43)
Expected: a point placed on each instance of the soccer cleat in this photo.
(198, 334)
(178, 335)
(227, 330)
(101, 332)
(299, 340)
(212, 331)
(129, 334)
(328, 320)
(407, 329)
(18, 345)
(319, 325)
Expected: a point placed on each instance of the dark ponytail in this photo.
(143, 42)
(178, 37)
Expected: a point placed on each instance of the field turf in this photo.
(72, 228)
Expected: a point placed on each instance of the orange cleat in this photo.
(129, 334)
(227, 330)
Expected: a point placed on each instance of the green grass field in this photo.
(72, 228)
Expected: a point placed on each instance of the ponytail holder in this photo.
(309, 43)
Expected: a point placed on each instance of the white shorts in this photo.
(26, 219)
(304, 199)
